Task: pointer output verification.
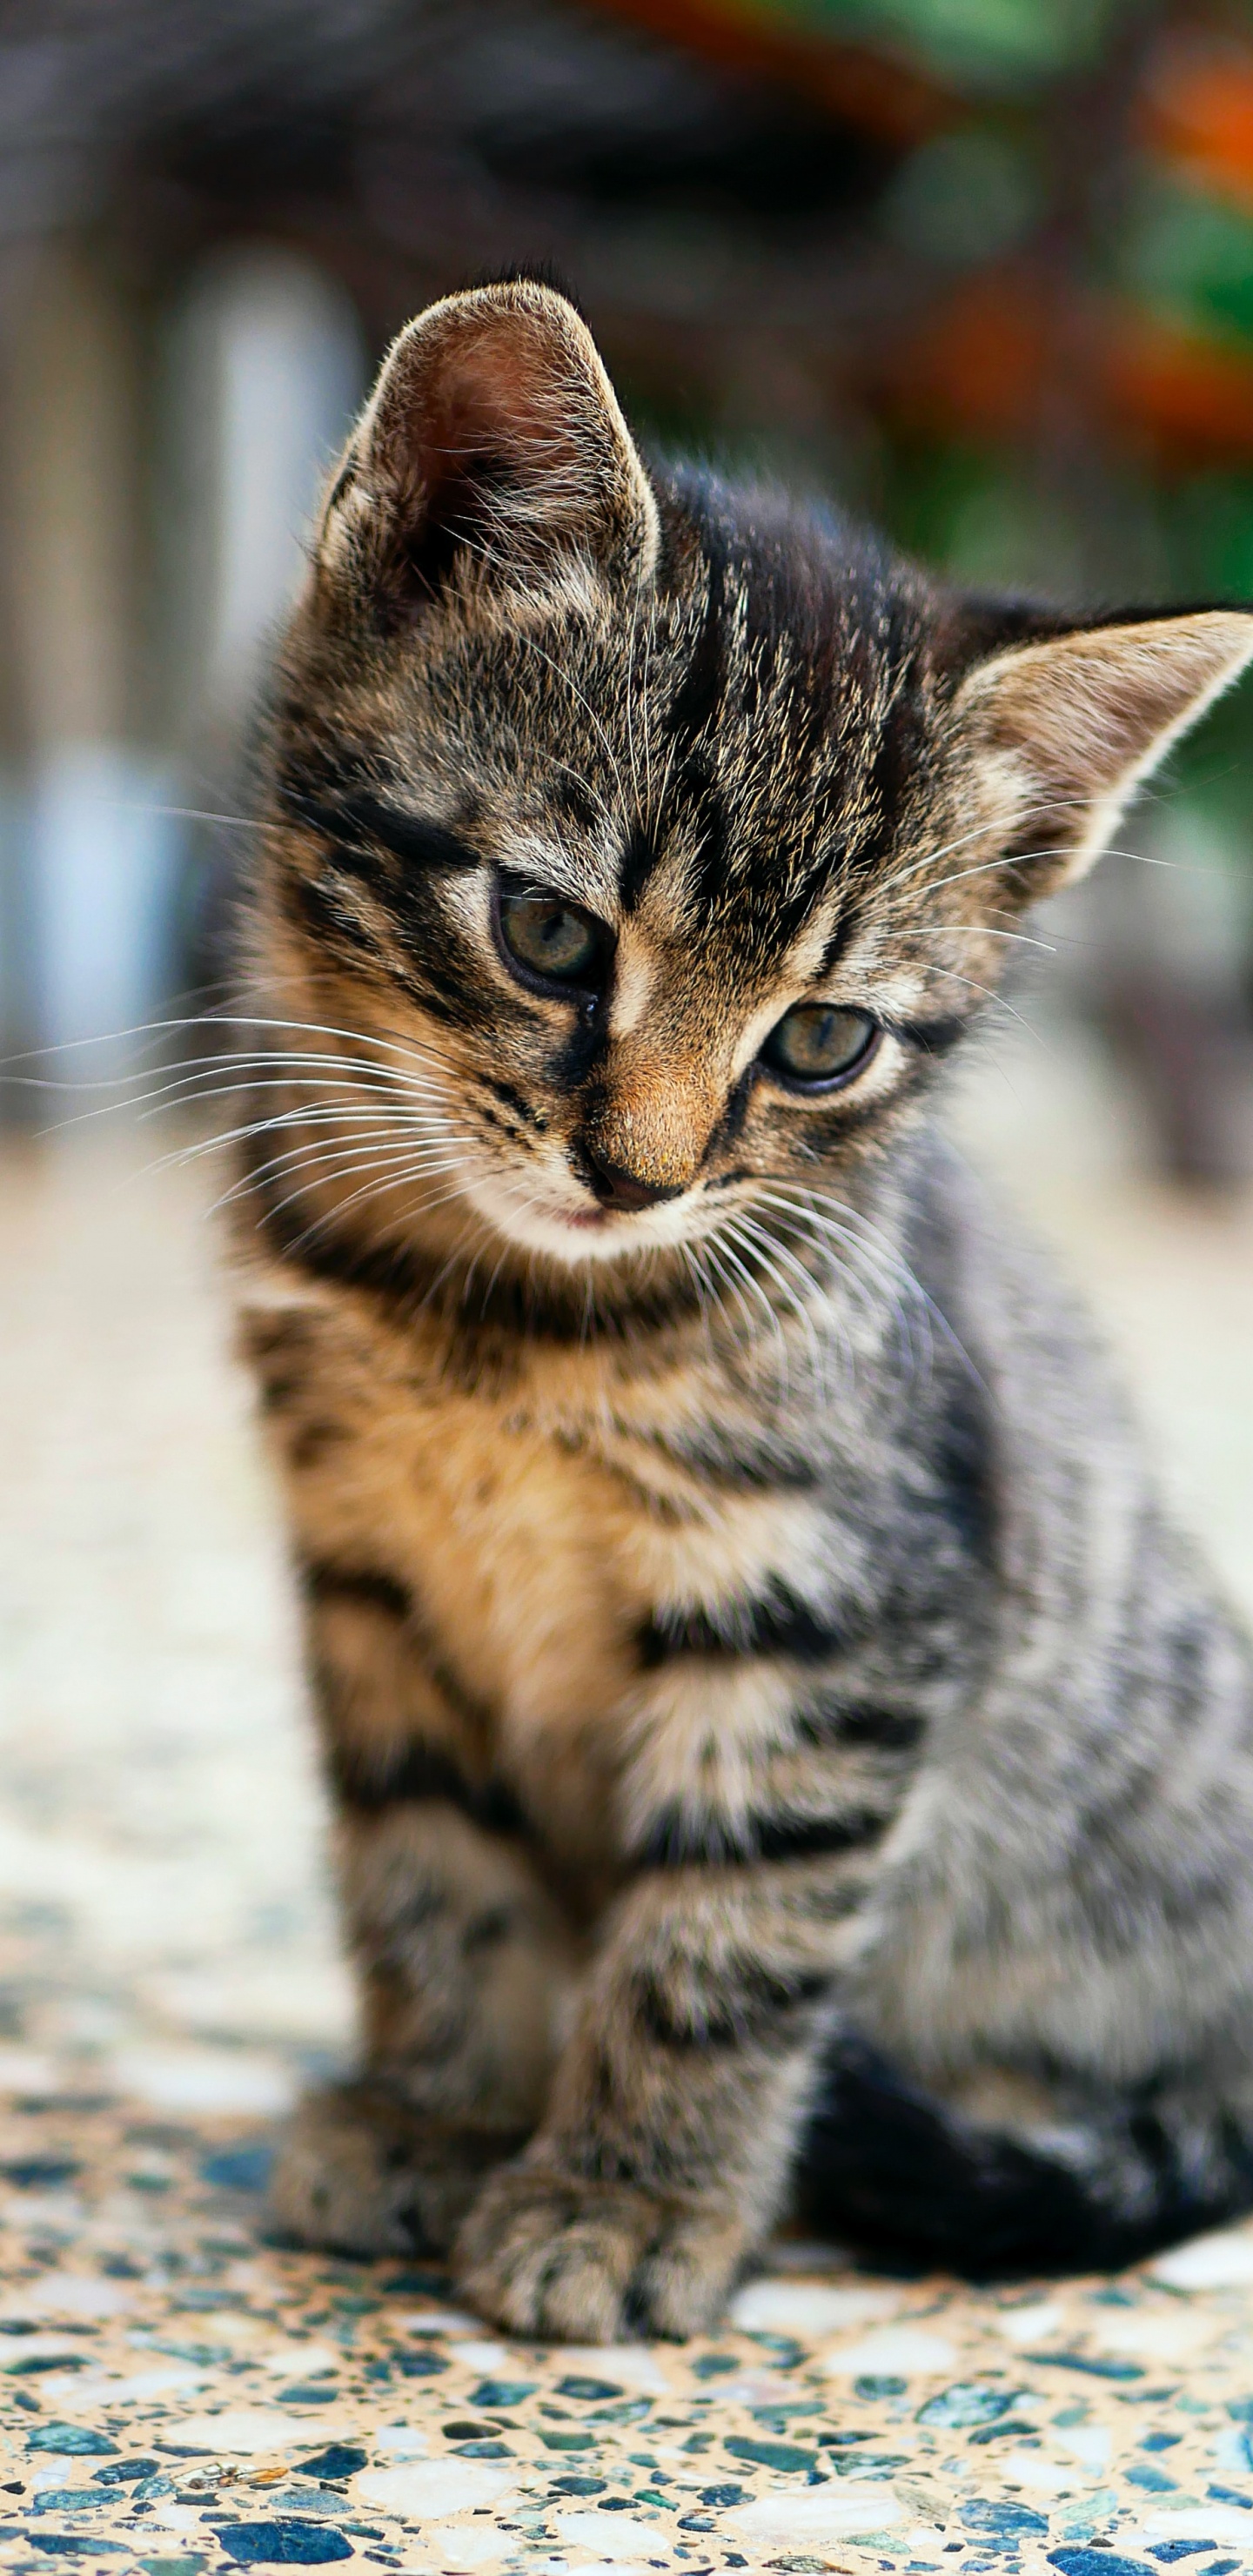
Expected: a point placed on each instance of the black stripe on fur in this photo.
(679, 1841)
(418, 1775)
(778, 1624)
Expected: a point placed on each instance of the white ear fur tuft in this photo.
(1066, 730)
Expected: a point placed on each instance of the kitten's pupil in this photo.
(818, 1043)
(547, 936)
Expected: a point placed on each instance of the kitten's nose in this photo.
(616, 1187)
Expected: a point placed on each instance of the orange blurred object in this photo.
(1193, 395)
(1003, 357)
(1199, 111)
(980, 364)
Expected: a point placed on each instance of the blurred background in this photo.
(983, 270)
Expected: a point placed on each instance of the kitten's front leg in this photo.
(464, 1969)
(466, 1964)
(666, 2152)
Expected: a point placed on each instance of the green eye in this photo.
(816, 1043)
(550, 939)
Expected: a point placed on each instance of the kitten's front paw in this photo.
(359, 2171)
(548, 2253)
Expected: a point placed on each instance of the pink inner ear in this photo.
(494, 434)
(500, 399)
(483, 424)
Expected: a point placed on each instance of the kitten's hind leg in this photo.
(1106, 2181)
(361, 2172)
(465, 1961)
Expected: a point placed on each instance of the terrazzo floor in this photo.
(180, 2396)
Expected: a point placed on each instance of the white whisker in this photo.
(990, 995)
(886, 1270)
(343, 1166)
(759, 1293)
(762, 1247)
(982, 831)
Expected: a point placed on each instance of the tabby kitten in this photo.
(784, 1755)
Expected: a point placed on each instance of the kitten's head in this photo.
(673, 833)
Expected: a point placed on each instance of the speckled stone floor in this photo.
(178, 2396)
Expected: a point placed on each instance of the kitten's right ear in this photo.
(492, 455)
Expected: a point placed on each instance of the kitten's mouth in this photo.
(577, 1235)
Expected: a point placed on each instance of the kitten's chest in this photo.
(533, 1562)
(521, 1561)
(539, 1539)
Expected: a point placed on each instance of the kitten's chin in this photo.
(575, 1236)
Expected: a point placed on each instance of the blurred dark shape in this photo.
(1193, 1056)
(668, 138)
(985, 269)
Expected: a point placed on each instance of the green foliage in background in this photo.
(1188, 256)
(983, 43)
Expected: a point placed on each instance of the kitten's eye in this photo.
(819, 1044)
(552, 940)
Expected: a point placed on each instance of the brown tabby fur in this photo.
(779, 1744)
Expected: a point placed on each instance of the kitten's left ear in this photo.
(1059, 733)
(492, 454)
